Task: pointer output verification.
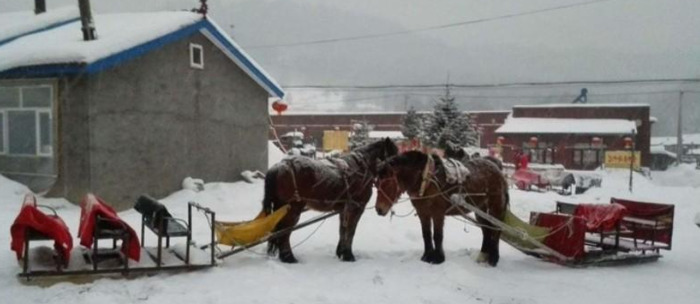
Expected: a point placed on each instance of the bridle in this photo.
(381, 192)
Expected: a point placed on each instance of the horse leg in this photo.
(438, 225)
(427, 235)
(485, 240)
(341, 233)
(352, 217)
(489, 243)
(289, 220)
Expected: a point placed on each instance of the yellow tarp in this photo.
(243, 233)
(536, 232)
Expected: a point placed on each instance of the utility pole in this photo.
(679, 140)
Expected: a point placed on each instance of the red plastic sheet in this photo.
(30, 217)
(91, 206)
(600, 216)
(567, 234)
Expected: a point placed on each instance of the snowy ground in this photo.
(388, 269)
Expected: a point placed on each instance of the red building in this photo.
(578, 136)
(313, 124)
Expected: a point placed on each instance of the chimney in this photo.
(39, 6)
(86, 20)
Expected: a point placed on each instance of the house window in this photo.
(26, 121)
(196, 56)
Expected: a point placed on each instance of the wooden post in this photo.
(679, 130)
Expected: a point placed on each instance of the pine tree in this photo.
(448, 124)
(411, 125)
(360, 134)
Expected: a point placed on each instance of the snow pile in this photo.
(193, 184)
(115, 33)
(683, 175)
(250, 176)
(20, 23)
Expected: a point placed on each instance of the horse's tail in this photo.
(270, 196)
(269, 203)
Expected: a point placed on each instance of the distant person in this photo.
(583, 97)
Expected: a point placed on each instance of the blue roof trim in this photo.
(277, 91)
(40, 71)
(46, 28)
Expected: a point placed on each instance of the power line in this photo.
(425, 29)
(441, 86)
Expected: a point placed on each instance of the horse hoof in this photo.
(348, 258)
(339, 251)
(288, 258)
(493, 260)
(438, 259)
(426, 258)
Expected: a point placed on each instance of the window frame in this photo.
(37, 120)
(3, 148)
(193, 64)
(37, 116)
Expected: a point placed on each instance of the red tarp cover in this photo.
(663, 213)
(30, 217)
(600, 216)
(568, 233)
(90, 207)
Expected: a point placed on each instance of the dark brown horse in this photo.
(343, 184)
(424, 177)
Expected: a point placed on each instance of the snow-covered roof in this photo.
(293, 134)
(585, 105)
(661, 150)
(18, 24)
(672, 140)
(526, 125)
(120, 37)
(384, 134)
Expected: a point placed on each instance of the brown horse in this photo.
(343, 184)
(425, 179)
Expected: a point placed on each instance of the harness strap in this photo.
(429, 165)
(290, 164)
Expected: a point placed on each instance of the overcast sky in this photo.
(524, 41)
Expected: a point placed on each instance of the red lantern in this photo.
(628, 142)
(533, 141)
(596, 141)
(500, 140)
(279, 106)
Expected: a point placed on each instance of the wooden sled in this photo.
(559, 238)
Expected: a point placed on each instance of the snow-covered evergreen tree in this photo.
(449, 124)
(411, 125)
(360, 133)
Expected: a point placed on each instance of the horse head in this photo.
(396, 175)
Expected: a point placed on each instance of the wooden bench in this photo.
(156, 217)
(649, 223)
